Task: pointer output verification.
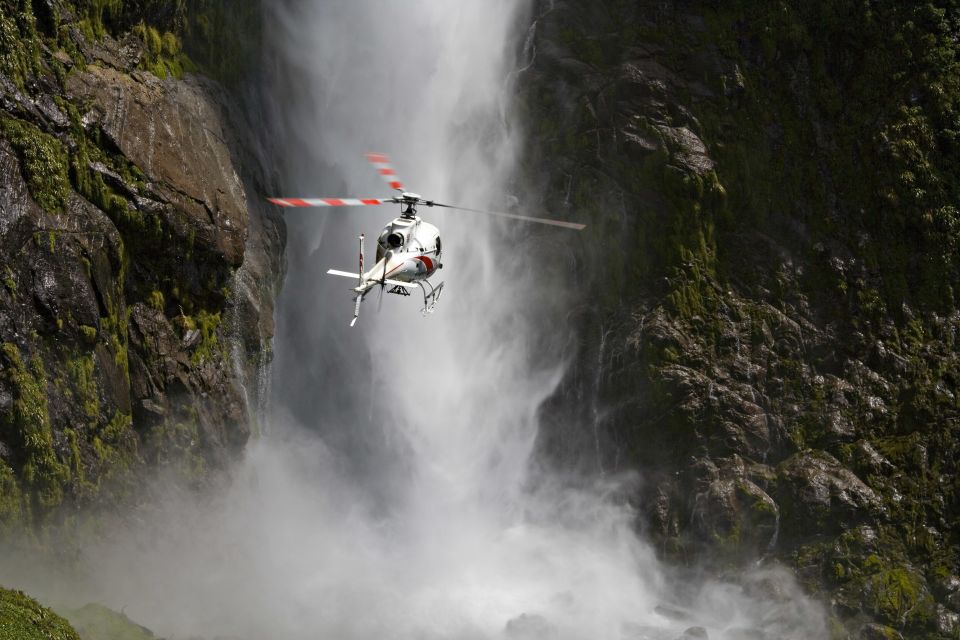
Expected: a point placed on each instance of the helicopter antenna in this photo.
(359, 299)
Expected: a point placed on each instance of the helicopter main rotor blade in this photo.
(556, 223)
(381, 162)
(330, 202)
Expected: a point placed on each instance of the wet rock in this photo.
(736, 514)
(874, 631)
(816, 492)
(869, 459)
(173, 131)
(686, 149)
(947, 621)
(953, 601)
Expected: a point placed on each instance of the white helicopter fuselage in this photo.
(408, 250)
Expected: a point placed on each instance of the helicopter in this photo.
(408, 248)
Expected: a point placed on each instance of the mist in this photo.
(394, 493)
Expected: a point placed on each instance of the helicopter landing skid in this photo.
(430, 299)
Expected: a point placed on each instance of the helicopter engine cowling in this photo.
(395, 239)
(416, 258)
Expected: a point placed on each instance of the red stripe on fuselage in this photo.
(427, 262)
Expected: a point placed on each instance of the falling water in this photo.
(395, 496)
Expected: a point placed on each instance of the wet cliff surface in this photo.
(769, 326)
(138, 263)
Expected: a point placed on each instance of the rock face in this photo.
(773, 247)
(138, 271)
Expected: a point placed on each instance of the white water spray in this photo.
(394, 498)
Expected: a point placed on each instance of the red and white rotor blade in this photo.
(329, 202)
(382, 164)
(513, 216)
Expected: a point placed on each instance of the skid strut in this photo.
(430, 298)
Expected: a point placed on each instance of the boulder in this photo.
(817, 494)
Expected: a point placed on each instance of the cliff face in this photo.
(770, 285)
(138, 262)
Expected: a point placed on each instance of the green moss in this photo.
(19, 44)
(114, 445)
(11, 501)
(43, 475)
(43, 161)
(88, 333)
(76, 459)
(9, 282)
(115, 328)
(209, 37)
(84, 384)
(23, 618)
(209, 347)
(898, 595)
(155, 300)
(164, 55)
(96, 16)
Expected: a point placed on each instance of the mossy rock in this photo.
(897, 594)
(43, 160)
(23, 618)
(96, 622)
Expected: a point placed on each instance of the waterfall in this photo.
(395, 496)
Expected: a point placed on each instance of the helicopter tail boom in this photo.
(369, 283)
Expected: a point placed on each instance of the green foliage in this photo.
(113, 444)
(19, 46)
(9, 282)
(164, 55)
(155, 300)
(897, 594)
(27, 428)
(89, 334)
(97, 17)
(23, 618)
(208, 325)
(210, 37)
(867, 152)
(84, 384)
(11, 501)
(43, 161)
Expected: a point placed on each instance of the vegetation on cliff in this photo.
(780, 346)
(23, 618)
(122, 228)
